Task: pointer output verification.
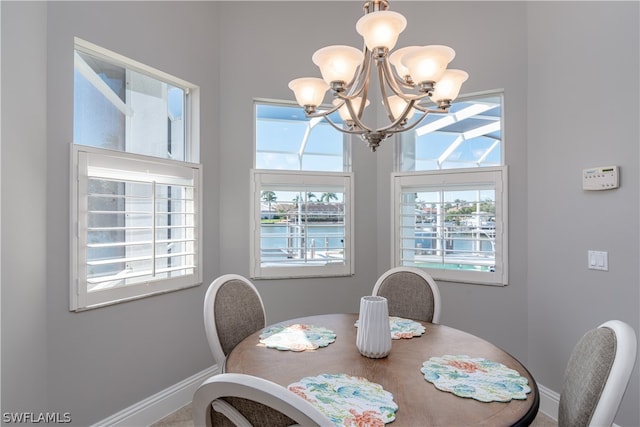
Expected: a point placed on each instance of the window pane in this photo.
(99, 89)
(287, 140)
(469, 136)
(121, 109)
(449, 229)
(302, 226)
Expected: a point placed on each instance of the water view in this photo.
(460, 249)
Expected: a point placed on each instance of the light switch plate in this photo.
(598, 260)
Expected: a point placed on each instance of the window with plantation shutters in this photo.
(453, 224)
(137, 226)
(309, 234)
(449, 194)
(302, 196)
(136, 186)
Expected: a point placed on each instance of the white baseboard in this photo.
(158, 406)
(549, 402)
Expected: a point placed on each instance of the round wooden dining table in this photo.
(420, 403)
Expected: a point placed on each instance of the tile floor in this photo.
(182, 418)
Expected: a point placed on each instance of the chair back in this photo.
(597, 375)
(411, 293)
(245, 400)
(233, 310)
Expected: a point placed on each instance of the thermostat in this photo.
(600, 178)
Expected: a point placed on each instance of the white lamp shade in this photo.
(398, 105)
(338, 63)
(344, 110)
(428, 63)
(448, 87)
(309, 90)
(381, 28)
(396, 60)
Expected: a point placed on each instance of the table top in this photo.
(420, 403)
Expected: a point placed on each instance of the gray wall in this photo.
(98, 362)
(584, 62)
(24, 206)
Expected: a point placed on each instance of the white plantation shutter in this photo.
(138, 226)
(453, 224)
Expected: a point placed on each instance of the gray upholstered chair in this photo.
(597, 375)
(245, 400)
(233, 310)
(411, 293)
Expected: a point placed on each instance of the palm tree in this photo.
(269, 197)
(310, 197)
(327, 197)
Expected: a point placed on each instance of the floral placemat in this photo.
(297, 337)
(403, 328)
(477, 378)
(348, 400)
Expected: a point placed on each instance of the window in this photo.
(450, 194)
(302, 196)
(304, 224)
(286, 140)
(135, 184)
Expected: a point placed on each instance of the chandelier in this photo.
(421, 74)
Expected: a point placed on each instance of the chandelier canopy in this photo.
(420, 73)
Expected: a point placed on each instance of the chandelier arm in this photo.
(346, 99)
(383, 91)
(323, 113)
(398, 80)
(343, 130)
(394, 126)
(355, 87)
(401, 82)
(353, 114)
(357, 77)
(393, 81)
(364, 96)
(396, 85)
(412, 125)
(383, 76)
(426, 109)
(356, 117)
(356, 120)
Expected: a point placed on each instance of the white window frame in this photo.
(128, 166)
(261, 177)
(449, 179)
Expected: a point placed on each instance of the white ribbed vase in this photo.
(374, 337)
